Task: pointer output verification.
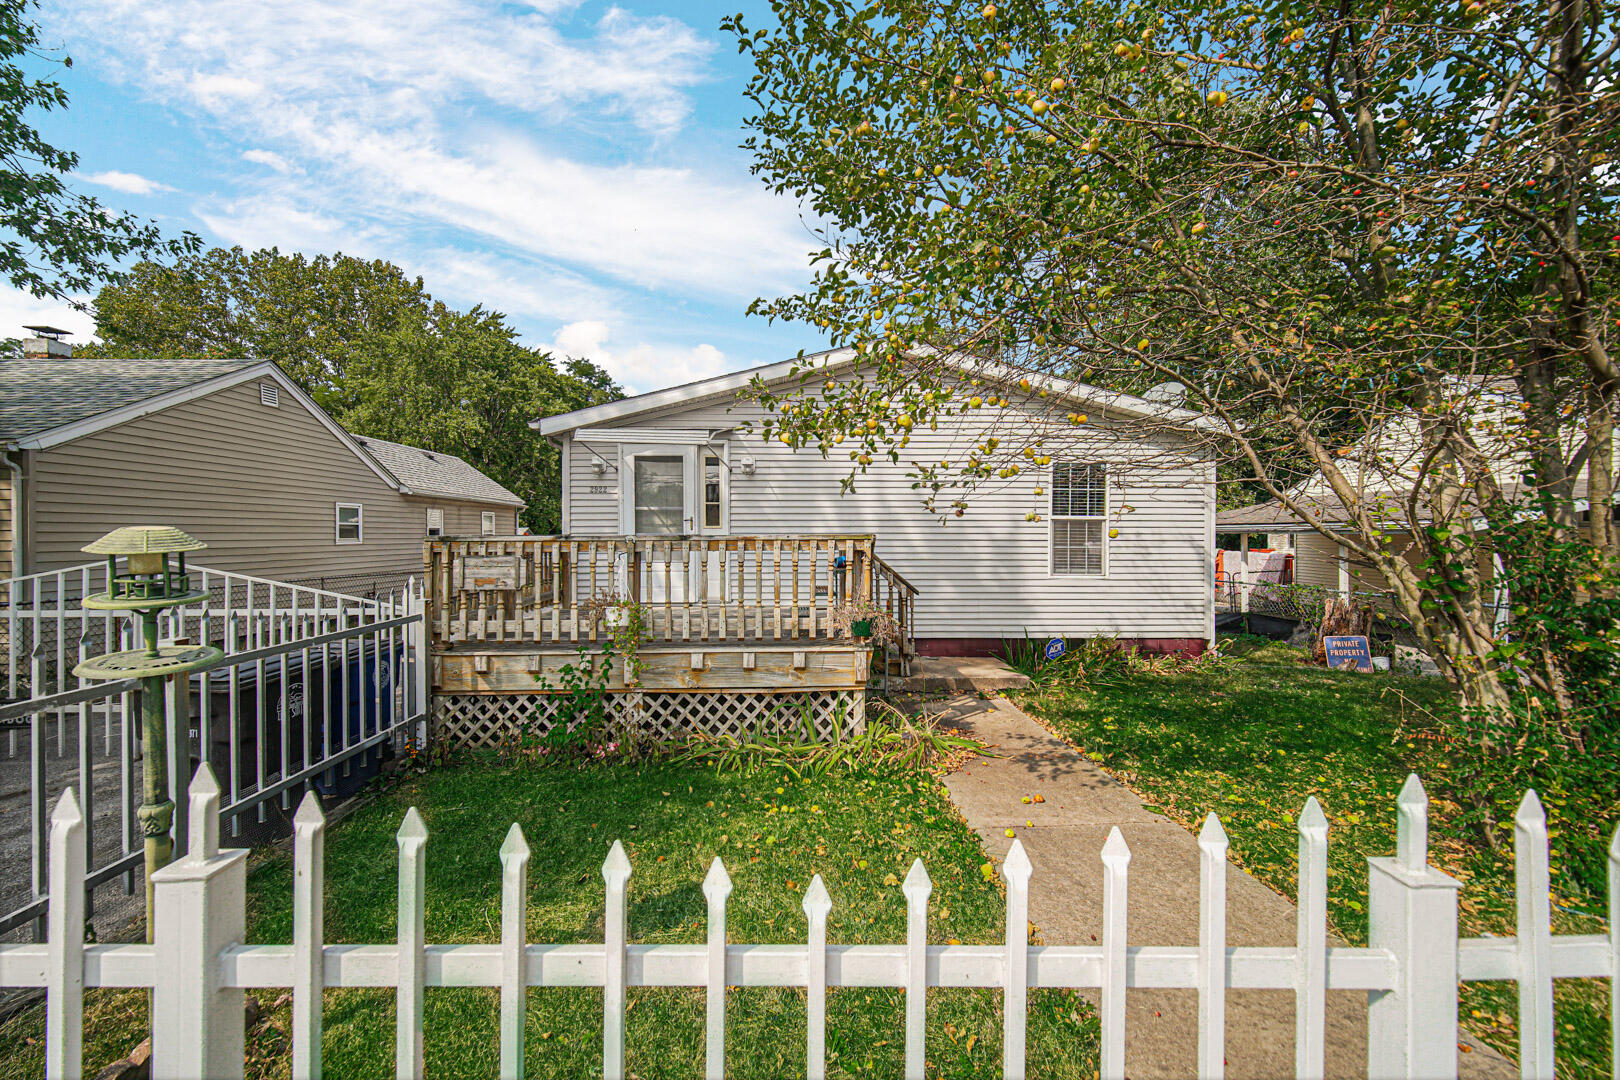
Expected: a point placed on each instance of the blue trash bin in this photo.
(368, 710)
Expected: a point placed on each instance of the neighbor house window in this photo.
(435, 522)
(489, 523)
(348, 524)
(1079, 517)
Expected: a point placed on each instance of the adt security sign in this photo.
(1055, 648)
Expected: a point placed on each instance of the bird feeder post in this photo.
(146, 585)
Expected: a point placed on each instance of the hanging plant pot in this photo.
(616, 617)
(860, 628)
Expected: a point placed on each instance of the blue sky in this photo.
(572, 164)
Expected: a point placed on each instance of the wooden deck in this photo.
(735, 667)
(741, 631)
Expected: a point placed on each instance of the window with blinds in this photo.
(1078, 518)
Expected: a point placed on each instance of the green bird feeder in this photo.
(148, 583)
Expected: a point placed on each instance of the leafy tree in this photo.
(460, 383)
(372, 346)
(309, 315)
(1376, 241)
(55, 242)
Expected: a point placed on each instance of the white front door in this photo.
(659, 497)
(676, 491)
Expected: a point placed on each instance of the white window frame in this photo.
(435, 521)
(359, 523)
(486, 523)
(724, 455)
(1053, 518)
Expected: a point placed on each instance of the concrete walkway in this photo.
(1082, 803)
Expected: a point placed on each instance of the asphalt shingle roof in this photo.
(38, 395)
(428, 472)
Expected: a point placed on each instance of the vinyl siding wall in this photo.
(986, 574)
(1316, 560)
(257, 484)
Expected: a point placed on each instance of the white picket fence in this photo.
(199, 968)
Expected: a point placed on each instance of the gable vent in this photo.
(270, 394)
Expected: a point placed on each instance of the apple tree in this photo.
(1377, 241)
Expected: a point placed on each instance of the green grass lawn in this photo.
(1252, 736)
(860, 831)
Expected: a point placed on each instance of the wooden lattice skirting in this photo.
(491, 719)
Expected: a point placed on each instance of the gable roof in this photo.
(37, 396)
(45, 403)
(725, 386)
(429, 472)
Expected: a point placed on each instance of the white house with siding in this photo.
(1116, 537)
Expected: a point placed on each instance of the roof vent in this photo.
(270, 394)
(46, 343)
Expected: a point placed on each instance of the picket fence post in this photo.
(309, 936)
(1412, 913)
(616, 877)
(917, 888)
(1116, 860)
(1212, 845)
(199, 910)
(1016, 869)
(411, 976)
(64, 987)
(514, 951)
(816, 906)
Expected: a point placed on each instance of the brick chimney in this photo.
(46, 343)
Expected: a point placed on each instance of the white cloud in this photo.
(509, 286)
(127, 182)
(268, 158)
(642, 367)
(412, 118)
(277, 220)
(19, 308)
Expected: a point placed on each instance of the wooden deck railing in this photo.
(550, 590)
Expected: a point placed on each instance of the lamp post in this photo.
(146, 585)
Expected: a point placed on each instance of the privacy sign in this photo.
(1348, 652)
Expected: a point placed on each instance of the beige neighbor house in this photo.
(1116, 538)
(232, 452)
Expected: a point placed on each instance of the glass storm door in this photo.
(659, 499)
(658, 493)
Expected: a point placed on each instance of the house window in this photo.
(435, 521)
(348, 525)
(1079, 518)
(270, 394)
(712, 486)
(489, 523)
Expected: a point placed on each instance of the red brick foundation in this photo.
(1188, 647)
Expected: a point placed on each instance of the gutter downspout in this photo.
(18, 521)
